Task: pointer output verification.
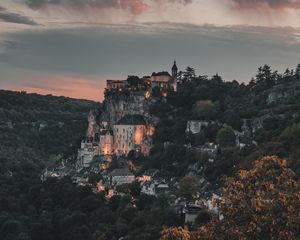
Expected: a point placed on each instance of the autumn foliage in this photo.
(262, 203)
(175, 233)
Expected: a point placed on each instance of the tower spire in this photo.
(174, 70)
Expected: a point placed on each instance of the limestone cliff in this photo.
(117, 106)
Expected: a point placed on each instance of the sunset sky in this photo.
(70, 47)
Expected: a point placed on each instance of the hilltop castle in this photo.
(125, 124)
(163, 81)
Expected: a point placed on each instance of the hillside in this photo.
(35, 130)
(263, 114)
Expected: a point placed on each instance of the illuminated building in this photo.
(129, 133)
(106, 142)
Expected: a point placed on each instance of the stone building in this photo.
(87, 152)
(129, 133)
(191, 211)
(121, 176)
(163, 80)
(195, 126)
(116, 84)
(106, 142)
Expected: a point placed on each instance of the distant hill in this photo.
(36, 129)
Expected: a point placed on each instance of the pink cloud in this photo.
(136, 7)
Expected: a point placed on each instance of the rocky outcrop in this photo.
(117, 106)
(93, 127)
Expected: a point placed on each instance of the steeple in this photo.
(174, 70)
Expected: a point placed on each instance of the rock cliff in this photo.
(117, 106)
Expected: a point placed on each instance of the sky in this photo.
(70, 47)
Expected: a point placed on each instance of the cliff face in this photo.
(117, 106)
(93, 127)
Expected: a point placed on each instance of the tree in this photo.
(204, 109)
(189, 74)
(203, 217)
(135, 189)
(232, 118)
(217, 78)
(133, 80)
(265, 76)
(262, 203)
(226, 137)
(174, 233)
(291, 135)
(188, 187)
(199, 138)
(297, 71)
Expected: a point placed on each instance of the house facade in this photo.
(129, 133)
(121, 176)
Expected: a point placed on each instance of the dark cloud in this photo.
(37, 4)
(271, 3)
(134, 6)
(14, 17)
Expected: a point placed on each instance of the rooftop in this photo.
(104, 132)
(154, 74)
(132, 120)
(121, 172)
(116, 81)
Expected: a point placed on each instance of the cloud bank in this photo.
(7, 16)
(217, 12)
(135, 7)
(57, 13)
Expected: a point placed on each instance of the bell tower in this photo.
(174, 76)
(174, 70)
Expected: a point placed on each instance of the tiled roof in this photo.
(160, 74)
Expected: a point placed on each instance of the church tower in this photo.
(174, 75)
(174, 70)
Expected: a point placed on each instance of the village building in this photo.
(191, 212)
(129, 133)
(148, 175)
(148, 188)
(121, 176)
(106, 142)
(154, 187)
(163, 81)
(195, 126)
(162, 188)
(87, 152)
(116, 84)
